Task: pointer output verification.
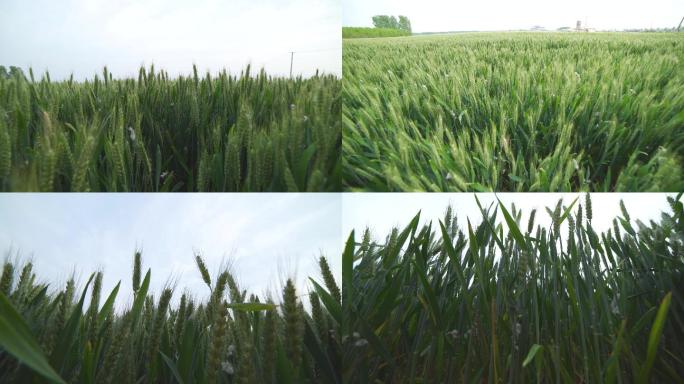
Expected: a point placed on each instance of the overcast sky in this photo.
(491, 15)
(383, 211)
(82, 36)
(266, 238)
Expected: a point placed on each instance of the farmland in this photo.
(53, 332)
(509, 300)
(245, 133)
(514, 112)
(361, 32)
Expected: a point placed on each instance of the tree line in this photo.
(391, 22)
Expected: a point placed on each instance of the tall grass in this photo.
(156, 133)
(48, 333)
(514, 112)
(463, 303)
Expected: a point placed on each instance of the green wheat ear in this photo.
(179, 325)
(329, 280)
(588, 207)
(7, 278)
(92, 313)
(26, 277)
(530, 223)
(294, 324)
(217, 294)
(203, 270)
(318, 316)
(625, 214)
(137, 267)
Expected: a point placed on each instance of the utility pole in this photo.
(291, 59)
(680, 24)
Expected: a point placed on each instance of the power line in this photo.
(281, 56)
(308, 51)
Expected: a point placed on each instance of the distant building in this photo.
(579, 27)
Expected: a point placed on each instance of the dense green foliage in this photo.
(514, 112)
(391, 22)
(58, 335)
(155, 133)
(361, 32)
(557, 304)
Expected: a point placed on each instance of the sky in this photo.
(383, 211)
(82, 36)
(264, 238)
(494, 15)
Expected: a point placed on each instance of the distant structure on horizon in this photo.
(579, 28)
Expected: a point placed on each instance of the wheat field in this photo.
(512, 301)
(514, 112)
(54, 333)
(244, 133)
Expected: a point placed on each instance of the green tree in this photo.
(382, 21)
(394, 23)
(404, 23)
(385, 21)
(391, 22)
